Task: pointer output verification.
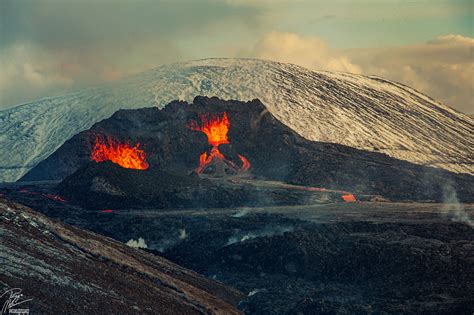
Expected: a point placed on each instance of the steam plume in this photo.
(453, 208)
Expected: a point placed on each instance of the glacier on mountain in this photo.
(364, 112)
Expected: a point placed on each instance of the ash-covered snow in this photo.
(369, 113)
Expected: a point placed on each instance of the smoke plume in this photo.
(140, 243)
(265, 232)
(453, 208)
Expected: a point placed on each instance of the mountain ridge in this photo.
(172, 152)
(365, 112)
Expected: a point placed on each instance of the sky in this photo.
(51, 47)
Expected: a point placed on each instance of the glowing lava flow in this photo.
(346, 196)
(246, 163)
(349, 198)
(49, 196)
(216, 127)
(119, 153)
(55, 197)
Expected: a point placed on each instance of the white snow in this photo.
(359, 111)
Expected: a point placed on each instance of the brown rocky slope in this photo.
(66, 270)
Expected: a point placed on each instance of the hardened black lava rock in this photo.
(274, 151)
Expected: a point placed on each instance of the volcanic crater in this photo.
(259, 161)
(280, 218)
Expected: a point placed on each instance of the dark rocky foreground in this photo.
(275, 152)
(66, 270)
(332, 259)
(340, 258)
(107, 185)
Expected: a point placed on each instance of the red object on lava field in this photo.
(54, 197)
(215, 127)
(349, 198)
(122, 154)
(246, 163)
(346, 196)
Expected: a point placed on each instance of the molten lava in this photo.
(55, 197)
(246, 163)
(349, 198)
(216, 127)
(119, 153)
(346, 196)
(45, 195)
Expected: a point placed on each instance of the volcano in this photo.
(297, 165)
(368, 113)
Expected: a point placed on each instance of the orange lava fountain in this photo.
(216, 127)
(119, 153)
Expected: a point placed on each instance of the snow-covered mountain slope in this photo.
(369, 113)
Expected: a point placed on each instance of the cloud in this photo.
(26, 71)
(441, 68)
(52, 47)
(55, 46)
(452, 39)
(310, 52)
(30, 71)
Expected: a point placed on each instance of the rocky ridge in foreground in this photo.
(66, 270)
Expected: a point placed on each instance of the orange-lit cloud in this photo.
(310, 52)
(441, 68)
